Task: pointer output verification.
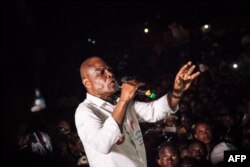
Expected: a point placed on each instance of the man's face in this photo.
(196, 151)
(99, 79)
(203, 133)
(170, 121)
(168, 157)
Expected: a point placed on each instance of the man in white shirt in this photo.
(110, 133)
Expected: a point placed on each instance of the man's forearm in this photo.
(119, 112)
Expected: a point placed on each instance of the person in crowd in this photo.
(217, 153)
(169, 155)
(203, 133)
(68, 149)
(198, 151)
(109, 128)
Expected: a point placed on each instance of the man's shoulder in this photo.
(86, 104)
(84, 110)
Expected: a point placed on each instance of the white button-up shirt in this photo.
(105, 145)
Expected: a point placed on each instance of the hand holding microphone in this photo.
(132, 87)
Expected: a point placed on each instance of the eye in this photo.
(99, 71)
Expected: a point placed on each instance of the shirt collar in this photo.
(96, 100)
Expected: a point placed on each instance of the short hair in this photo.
(200, 123)
(167, 144)
(200, 143)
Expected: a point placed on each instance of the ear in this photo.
(195, 135)
(86, 83)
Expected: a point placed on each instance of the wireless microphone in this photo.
(147, 93)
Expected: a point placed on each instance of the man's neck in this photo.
(106, 97)
(111, 99)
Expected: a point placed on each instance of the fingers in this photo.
(191, 69)
(184, 68)
(186, 73)
(135, 83)
(193, 76)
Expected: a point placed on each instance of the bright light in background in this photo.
(39, 102)
(146, 30)
(205, 28)
(235, 65)
(91, 41)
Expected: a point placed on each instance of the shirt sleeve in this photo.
(153, 111)
(94, 131)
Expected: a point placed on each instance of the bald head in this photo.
(97, 77)
(87, 64)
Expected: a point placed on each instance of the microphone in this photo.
(147, 93)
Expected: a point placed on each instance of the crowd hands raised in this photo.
(213, 114)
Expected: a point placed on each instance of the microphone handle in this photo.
(142, 92)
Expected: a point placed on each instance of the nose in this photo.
(109, 74)
(170, 160)
(206, 133)
(198, 152)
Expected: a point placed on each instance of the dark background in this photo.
(44, 43)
